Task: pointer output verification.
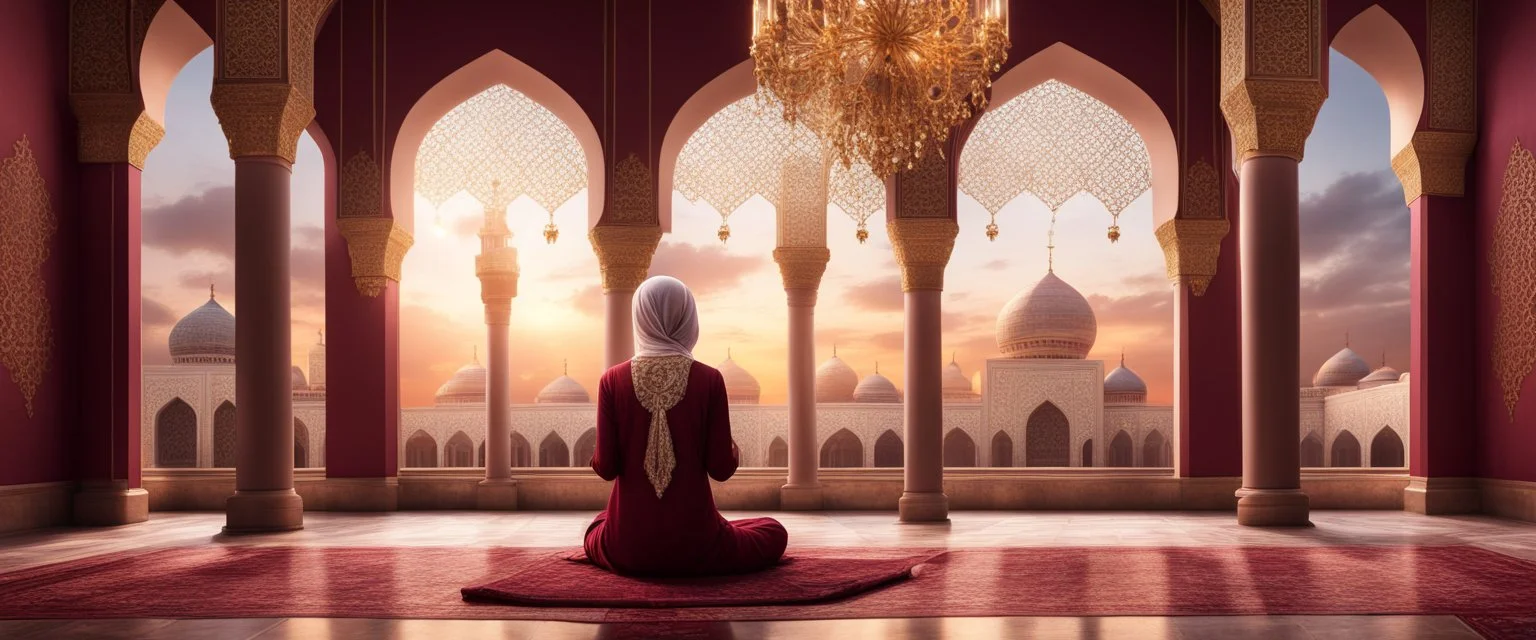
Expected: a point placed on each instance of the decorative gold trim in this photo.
(1512, 260)
(1271, 74)
(631, 194)
(377, 246)
(1192, 250)
(802, 267)
(1434, 163)
(358, 188)
(27, 226)
(262, 119)
(1452, 63)
(922, 247)
(1200, 195)
(113, 127)
(624, 254)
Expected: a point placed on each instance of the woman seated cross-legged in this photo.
(663, 430)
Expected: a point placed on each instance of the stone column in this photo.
(801, 269)
(922, 247)
(496, 267)
(624, 255)
(1272, 89)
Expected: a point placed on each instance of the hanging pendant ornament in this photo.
(992, 229)
(551, 232)
(724, 233)
(862, 234)
(1114, 233)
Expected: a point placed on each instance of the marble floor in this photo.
(965, 529)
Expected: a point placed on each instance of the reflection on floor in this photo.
(966, 529)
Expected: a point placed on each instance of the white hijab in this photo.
(666, 319)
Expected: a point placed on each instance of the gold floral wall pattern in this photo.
(1513, 265)
(27, 225)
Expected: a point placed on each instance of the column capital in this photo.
(1192, 250)
(922, 247)
(1271, 74)
(113, 127)
(1434, 163)
(377, 246)
(497, 271)
(262, 118)
(624, 253)
(802, 267)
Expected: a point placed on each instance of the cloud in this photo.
(876, 295)
(705, 269)
(309, 235)
(588, 301)
(222, 279)
(153, 314)
(1151, 310)
(197, 222)
(998, 264)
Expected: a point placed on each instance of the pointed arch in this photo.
(586, 448)
(778, 453)
(959, 449)
(843, 449)
(300, 444)
(493, 68)
(172, 40)
(736, 83)
(1387, 449)
(224, 437)
(1002, 450)
(1121, 452)
(1345, 451)
(553, 452)
(522, 452)
(1311, 451)
(1152, 450)
(1087, 459)
(1381, 46)
(176, 435)
(480, 455)
(889, 451)
(1068, 65)
(1047, 437)
(459, 451)
(420, 450)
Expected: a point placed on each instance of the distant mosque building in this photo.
(1354, 416)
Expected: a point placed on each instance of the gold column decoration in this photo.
(802, 267)
(27, 226)
(1512, 261)
(1435, 163)
(1192, 250)
(262, 119)
(105, 37)
(922, 247)
(631, 194)
(1271, 74)
(375, 242)
(263, 83)
(624, 253)
(114, 128)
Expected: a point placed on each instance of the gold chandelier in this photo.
(880, 81)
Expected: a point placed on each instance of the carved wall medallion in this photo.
(1512, 262)
(922, 247)
(377, 246)
(632, 194)
(1192, 250)
(624, 253)
(27, 226)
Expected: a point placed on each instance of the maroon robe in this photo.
(681, 533)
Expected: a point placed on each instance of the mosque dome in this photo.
(1345, 369)
(957, 385)
(1381, 376)
(1050, 320)
(876, 388)
(835, 380)
(317, 365)
(205, 336)
(1123, 386)
(740, 386)
(563, 390)
(297, 378)
(466, 386)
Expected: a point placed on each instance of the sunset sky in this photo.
(1354, 246)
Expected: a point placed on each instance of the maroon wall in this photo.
(34, 45)
(1507, 104)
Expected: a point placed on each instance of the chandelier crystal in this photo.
(881, 81)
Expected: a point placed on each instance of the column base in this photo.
(360, 494)
(923, 507)
(800, 498)
(1273, 508)
(1442, 496)
(496, 495)
(110, 504)
(263, 512)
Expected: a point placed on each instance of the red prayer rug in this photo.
(425, 582)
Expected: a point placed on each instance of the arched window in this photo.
(843, 449)
(176, 435)
(959, 449)
(522, 452)
(1387, 449)
(1002, 450)
(553, 452)
(224, 435)
(586, 447)
(1121, 452)
(1152, 449)
(1047, 438)
(480, 455)
(1346, 451)
(459, 451)
(778, 453)
(888, 450)
(1311, 451)
(1088, 452)
(420, 451)
(300, 444)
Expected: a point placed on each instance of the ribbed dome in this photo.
(876, 388)
(1384, 375)
(957, 386)
(835, 380)
(1050, 320)
(466, 386)
(1123, 385)
(740, 386)
(317, 365)
(297, 378)
(207, 335)
(563, 389)
(1345, 369)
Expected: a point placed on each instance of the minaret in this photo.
(496, 267)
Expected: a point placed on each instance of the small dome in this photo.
(740, 386)
(207, 335)
(563, 390)
(297, 378)
(876, 388)
(466, 386)
(835, 380)
(1123, 385)
(1345, 369)
(957, 386)
(317, 365)
(1050, 320)
(1381, 376)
